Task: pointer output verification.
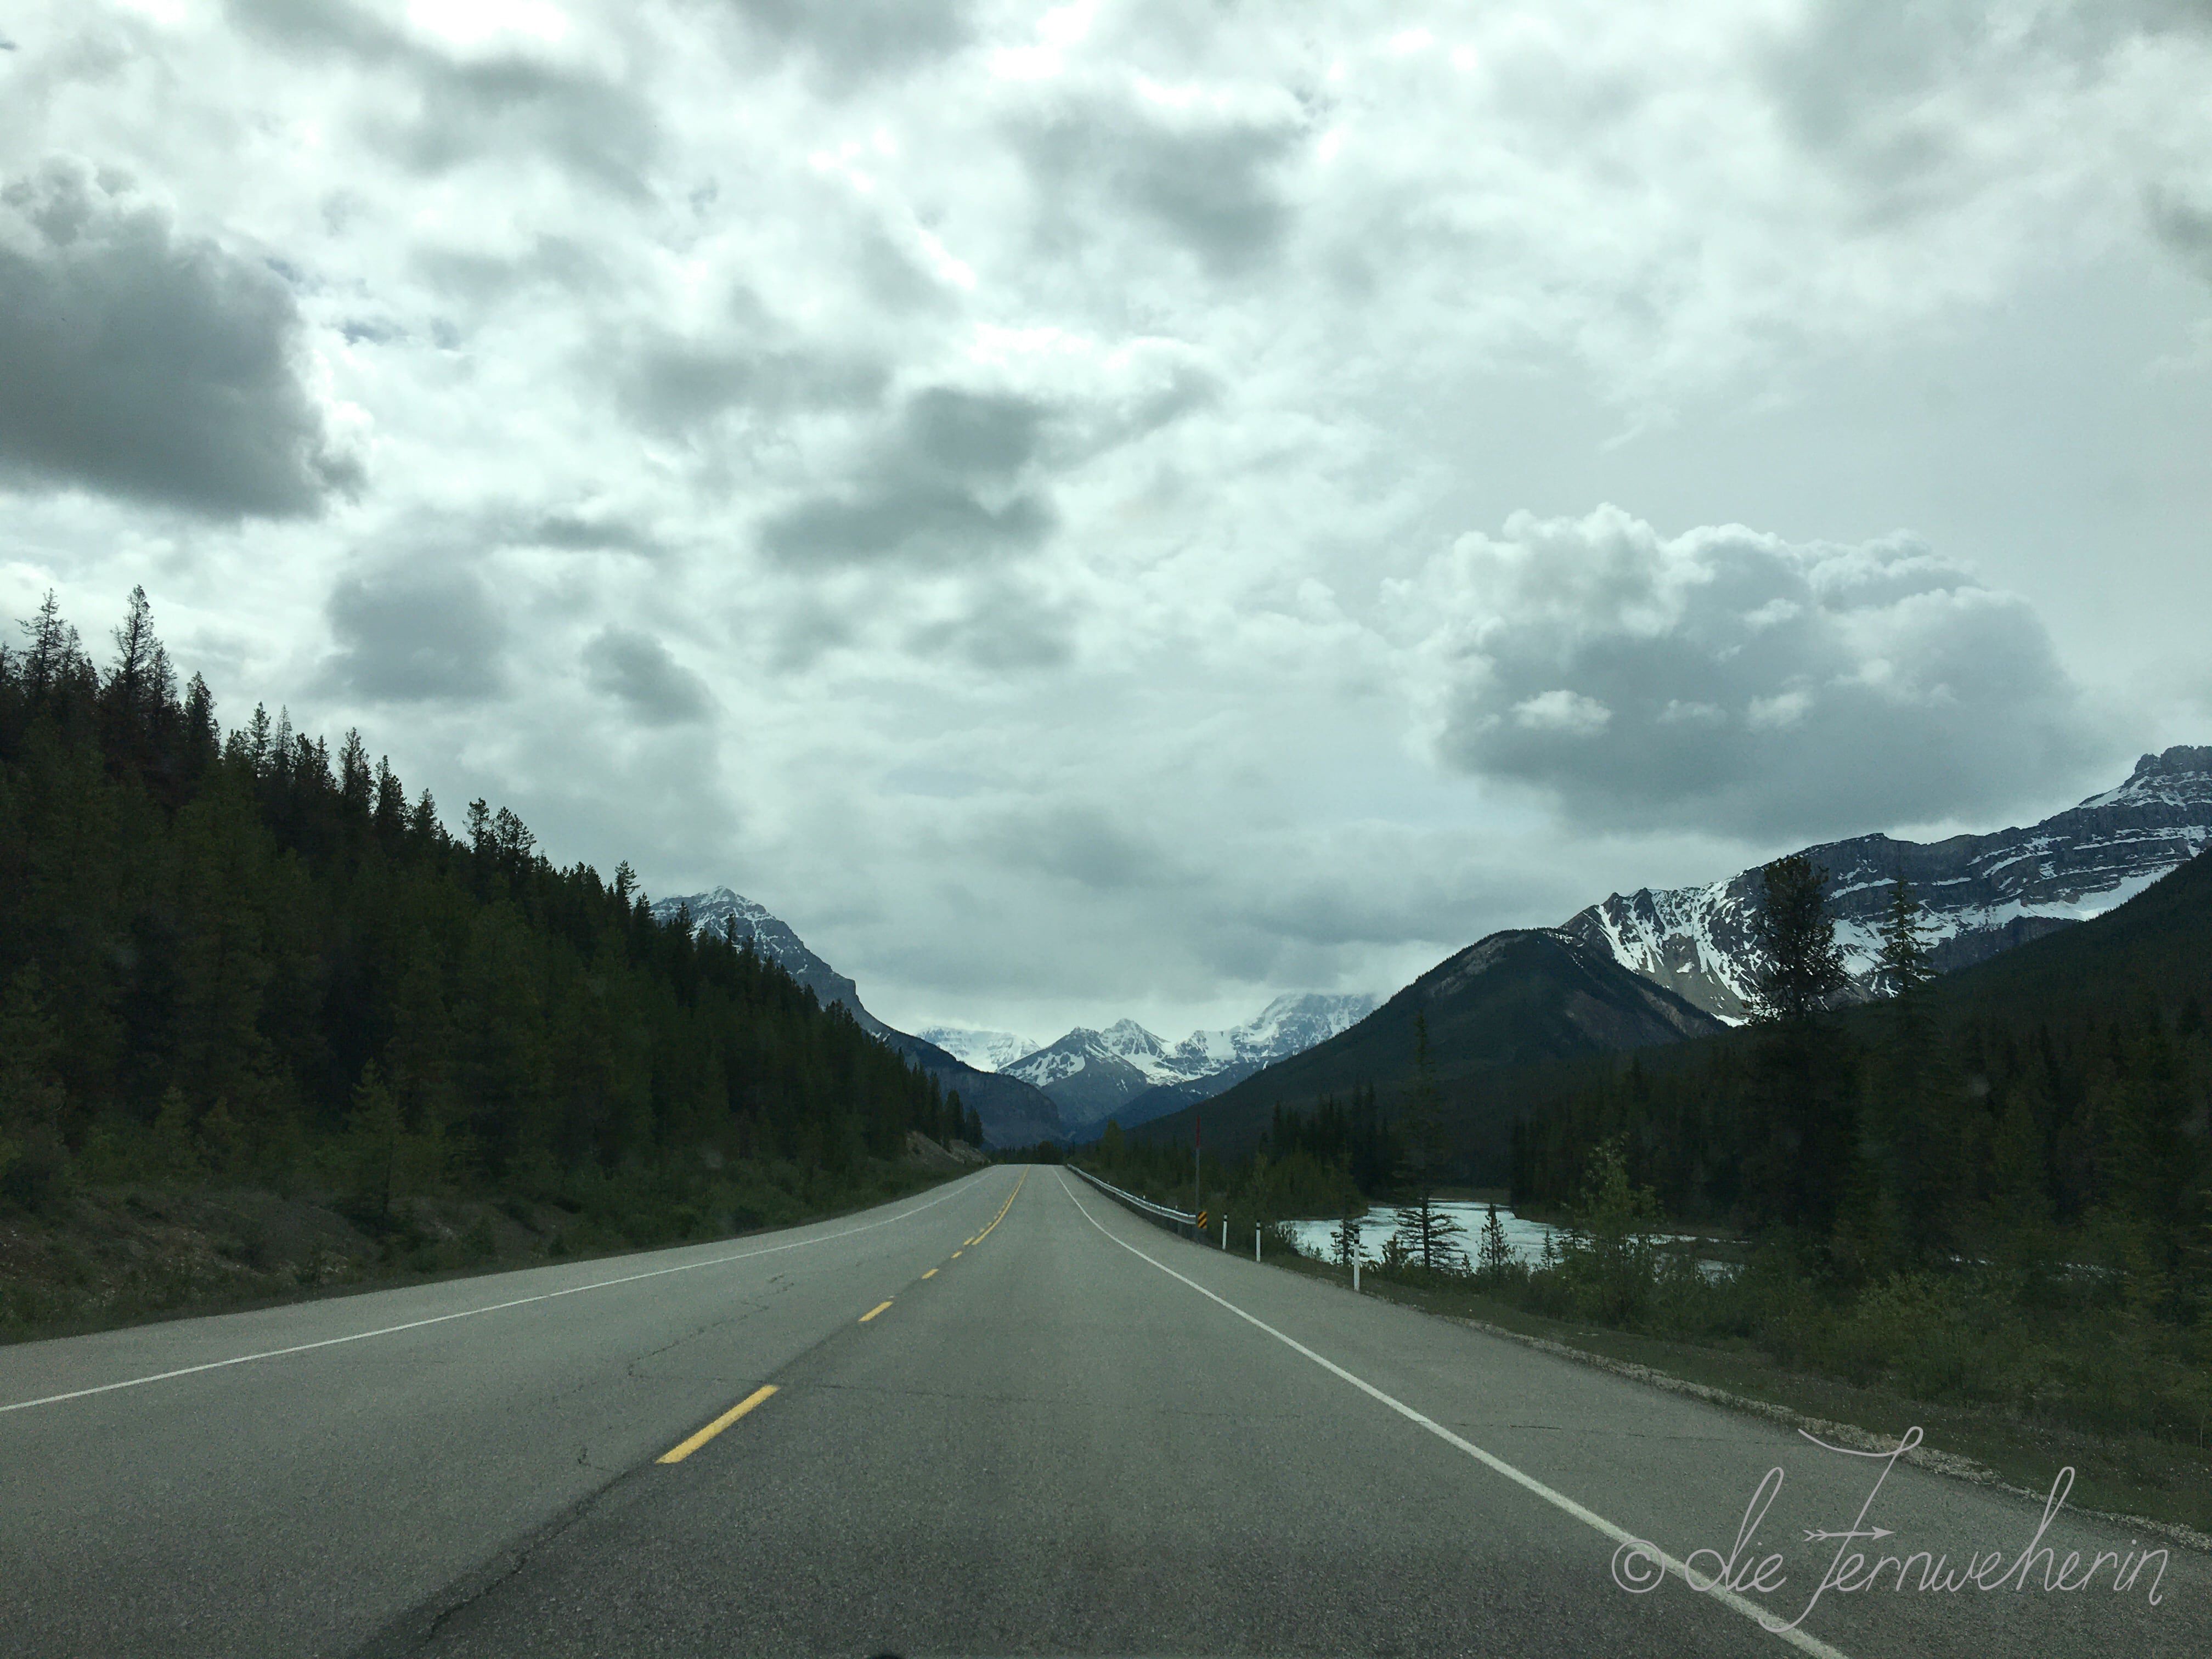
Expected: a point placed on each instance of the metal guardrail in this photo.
(1142, 1206)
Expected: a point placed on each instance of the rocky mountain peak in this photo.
(1984, 894)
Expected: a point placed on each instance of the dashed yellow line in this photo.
(873, 1311)
(1002, 1215)
(931, 1273)
(677, 1454)
(956, 1254)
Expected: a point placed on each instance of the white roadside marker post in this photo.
(1224, 1232)
(1255, 1240)
(1355, 1275)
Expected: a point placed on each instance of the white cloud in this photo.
(1729, 678)
(1085, 444)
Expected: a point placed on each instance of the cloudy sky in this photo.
(1127, 509)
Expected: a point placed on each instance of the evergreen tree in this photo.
(238, 964)
(1803, 1138)
(376, 1138)
(1344, 1238)
(1801, 967)
(1913, 1122)
(35, 1164)
(1494, 1257)
(1435, 1234)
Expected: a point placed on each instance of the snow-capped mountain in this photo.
(721, 910)
(1984, 894)
(986, 1051)
(1088, 1074)
(1126, 1073)
(1013, 1113)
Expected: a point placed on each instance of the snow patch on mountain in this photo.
(1093, 1074)
(986, 1050)
(734, 916)
(1983, 894)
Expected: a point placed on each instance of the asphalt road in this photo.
(1078, 1434)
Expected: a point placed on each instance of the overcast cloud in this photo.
(1728, 680)
(1132, 508)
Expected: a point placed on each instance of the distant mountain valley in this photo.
(1126, 1074)
(1984, 894)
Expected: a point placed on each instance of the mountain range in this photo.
(1126, 1074)
(986, 1051)
(1653, 966)
(1013, 1113)
(1522, 998)
(1510, 1014)
(1983, 894)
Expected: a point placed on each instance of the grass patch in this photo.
(2129, 1474)
(105, 1257)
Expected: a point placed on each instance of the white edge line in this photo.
(1797, 1638)
(465, 1313)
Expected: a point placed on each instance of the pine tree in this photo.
(1495, 1256)
(35, 1164)
(375, 1141)
(1914, 1124)
(53, 645)
(1428, 1148)
(1801, 967)
(1803, 1137)
(356, 782)
(389, 812)
(1346, 1238)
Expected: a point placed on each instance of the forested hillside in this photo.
(2062, 1087)
(242, 957)
(1519, 1002)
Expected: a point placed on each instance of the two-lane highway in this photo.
(1006, 1418)
(285, 1482)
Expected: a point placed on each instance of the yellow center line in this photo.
(931, 1273)
(873, 1311)
(678, 1453)
(1003, 1208)
(956, 1254)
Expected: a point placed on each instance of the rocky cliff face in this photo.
(1983, 893)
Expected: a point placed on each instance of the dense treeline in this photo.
(1350, 1134)
(246, 957)
(2035, 1106)
(1992, 1190)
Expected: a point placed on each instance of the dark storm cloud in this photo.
(1730, 681)
(573, 532)
(2184, 224)
(469, 108)
(415, 635)
(671, 385)
(1210, 184)
(969, 437)
(917, 519)
(1087, 846)
(1874, 90)
(1002, 629)
(852, 41)
(140, 364)
(637, 669)
(556, 262)
(942, 488)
